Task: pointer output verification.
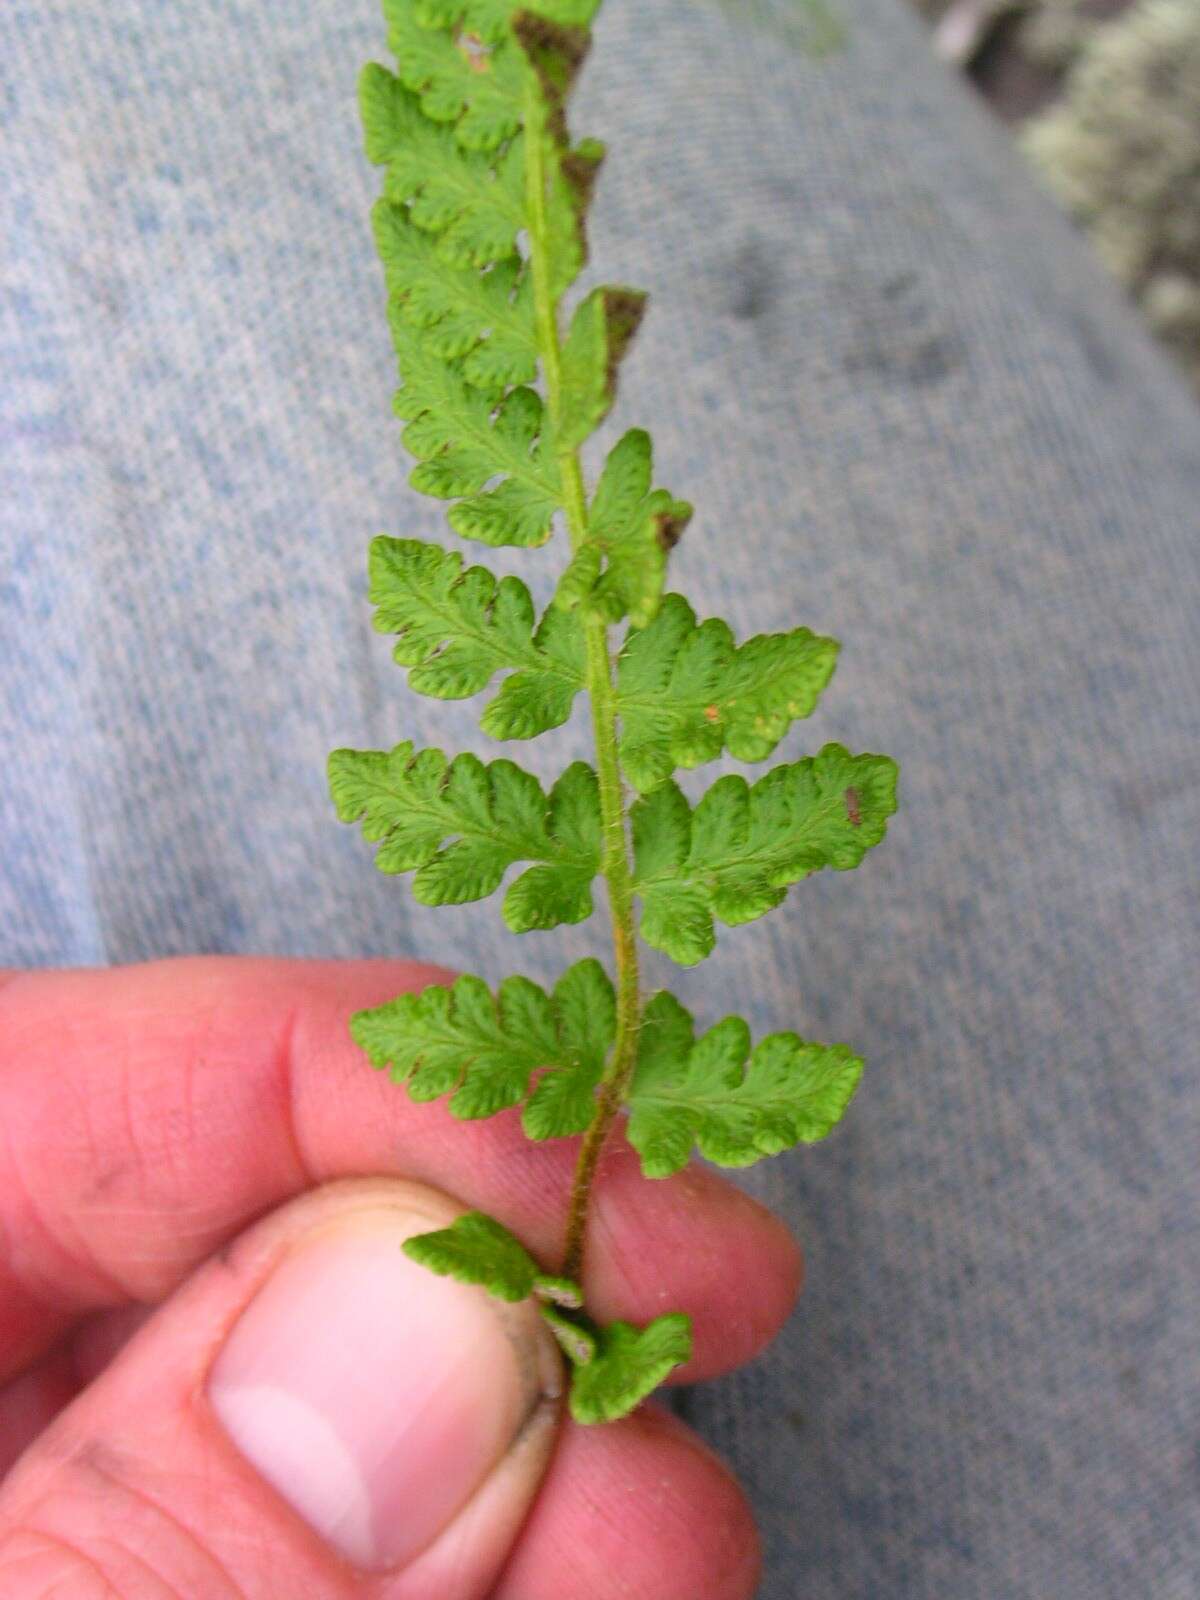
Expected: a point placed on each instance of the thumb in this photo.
(310, 1414)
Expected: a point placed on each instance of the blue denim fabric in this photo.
(911, 413)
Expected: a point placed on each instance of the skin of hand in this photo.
(221, 1378)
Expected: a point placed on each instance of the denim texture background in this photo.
(912, 413)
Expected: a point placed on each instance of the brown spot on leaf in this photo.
(475, 50)
(852, 809)
(669, 525)
(556, 52)
(623, 313)
(578, 169)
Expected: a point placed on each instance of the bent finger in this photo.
(147, 1113)
(30, 1402)
(635, 1510)
(311, 1413)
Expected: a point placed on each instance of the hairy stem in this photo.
(615, 864)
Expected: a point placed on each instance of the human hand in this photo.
(221, 1378)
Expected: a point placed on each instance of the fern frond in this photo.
(628, 1364)
(459, 826)
(600, 333)
(615, 1366)
(732, 1104)
(481, 230)
(736, 854)
(464, 440)
(484, 317)
(449, 129)
(477, 1249)
(456, 629)
(687, 691)
(618, 570)
(473, 202)
(462, 63)
(485, 1050)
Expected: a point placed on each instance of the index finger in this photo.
(148, 1113)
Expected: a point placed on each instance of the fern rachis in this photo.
(481, 234)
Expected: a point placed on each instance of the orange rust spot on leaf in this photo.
(475, 51)
(711, 713)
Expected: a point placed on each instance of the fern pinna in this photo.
(481, 231)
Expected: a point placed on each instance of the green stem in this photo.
(615, 864)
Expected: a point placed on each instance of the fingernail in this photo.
(374, 1396)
